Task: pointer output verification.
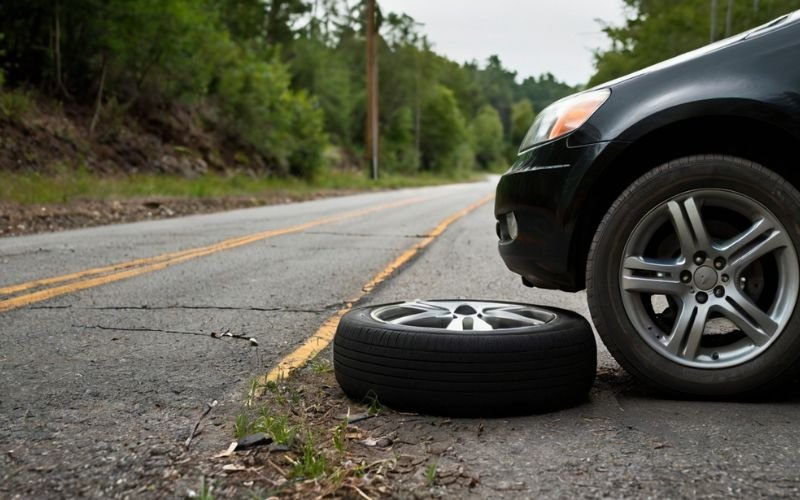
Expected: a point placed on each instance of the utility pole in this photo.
(373, 136)
(729, 19)
(713, 21)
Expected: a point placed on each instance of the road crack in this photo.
(213, 335)
(367, 235)
(323, 309)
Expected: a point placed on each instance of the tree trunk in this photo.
(99, 104)
(273, 16)
(57, 47)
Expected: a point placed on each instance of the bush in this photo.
(15, 104)
(259, 110)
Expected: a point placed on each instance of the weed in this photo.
(375, 406)
(206, 490)
(311, 463)
(431, 472)
(277, 427)
(320, 366)
(242, 427)
(340, 437)
(252, 393)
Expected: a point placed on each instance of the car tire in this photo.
(692, 277)
(543, 362)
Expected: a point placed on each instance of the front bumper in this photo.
(542, 193)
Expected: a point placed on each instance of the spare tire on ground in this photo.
(465, 357)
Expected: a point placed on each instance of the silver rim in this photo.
(709, 278)
(462, 315)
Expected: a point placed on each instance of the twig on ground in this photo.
(209, 407)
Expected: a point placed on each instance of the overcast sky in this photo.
(530, 36)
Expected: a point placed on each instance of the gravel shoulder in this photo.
(20, 219)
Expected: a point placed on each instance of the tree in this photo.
(444, 131)
(486, 134)
(658, 30)
(522, 116)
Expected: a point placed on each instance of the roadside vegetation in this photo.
(67, 185)
(238, 96)
(314, 447)
(244, 89)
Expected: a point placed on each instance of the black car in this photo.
(671, 195)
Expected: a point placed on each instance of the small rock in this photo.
(438, 448)
(257, 439)
(159, 450)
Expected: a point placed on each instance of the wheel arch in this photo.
(748, 138)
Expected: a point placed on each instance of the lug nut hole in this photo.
(699, 258)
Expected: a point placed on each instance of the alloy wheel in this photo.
(463, 315)
(709, 278)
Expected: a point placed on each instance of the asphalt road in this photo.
(101, 386)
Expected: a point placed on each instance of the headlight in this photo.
(564, 116)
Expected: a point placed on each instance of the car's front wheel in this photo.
(693, 277)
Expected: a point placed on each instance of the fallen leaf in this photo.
(228, 452)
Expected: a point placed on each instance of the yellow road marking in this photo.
(137, 267)
(324, 335)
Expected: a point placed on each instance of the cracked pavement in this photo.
(101, 388)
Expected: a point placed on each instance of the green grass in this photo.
(311, 464)
(431, 472)
(206, 490)
(64, 185)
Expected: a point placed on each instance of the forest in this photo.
(278, 87)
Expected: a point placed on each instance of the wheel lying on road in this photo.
(693, 277)
(465, 357)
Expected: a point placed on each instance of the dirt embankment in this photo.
(45, 136)
(41, 134)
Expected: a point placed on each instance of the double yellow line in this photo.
(49, 288)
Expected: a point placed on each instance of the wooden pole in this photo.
(373, 136)
(713, 35)
(729, 19)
